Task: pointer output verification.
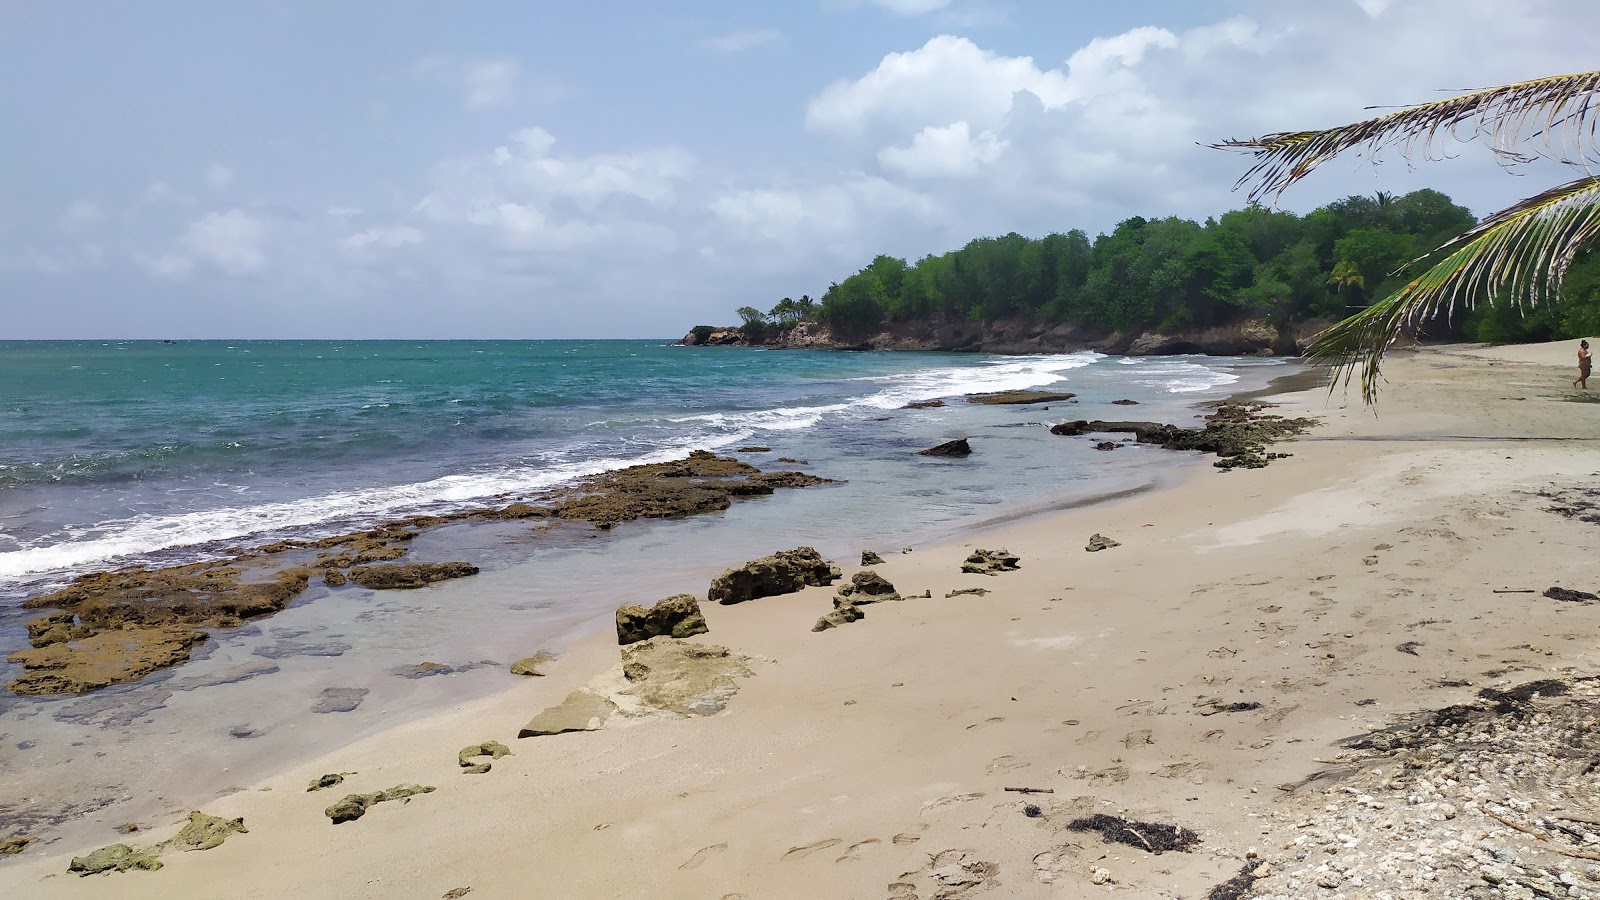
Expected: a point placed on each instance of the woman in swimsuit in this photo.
(1583, 366)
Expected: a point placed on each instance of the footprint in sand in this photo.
(854, 852)
(1005, 764)
(993, 720)
(807, 850)
(906, 837)
(1088, 737)
(702, 855)
(1139, 738)
(1213, 736)
(952, 800)
(1057, 862)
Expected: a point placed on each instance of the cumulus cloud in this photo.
(737, 41)
(218, 175)
(391, 237)
(944, 150)
(233, 241)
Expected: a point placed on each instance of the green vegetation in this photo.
(1163, 274)
(1523, 256)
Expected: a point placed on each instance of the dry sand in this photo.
(855, 760)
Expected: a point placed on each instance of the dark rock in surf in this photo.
(956, 448)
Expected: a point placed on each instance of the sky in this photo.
(411, 169)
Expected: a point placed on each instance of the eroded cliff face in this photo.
(1246, 337)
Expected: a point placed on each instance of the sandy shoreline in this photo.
(855, 759)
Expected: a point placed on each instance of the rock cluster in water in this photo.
(1239, 433)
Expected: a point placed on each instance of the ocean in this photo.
(140, 452)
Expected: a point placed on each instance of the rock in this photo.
(405, 576)
(14, 844)
(1125, 403)
(333, 578)
(114, 858)
(924, 404)
(765, 482)
(529, 665)
(783, 572)
(1099, 875)
(1098, 542)
(1569, 595)
(583, 710)
(457, 893)
(119, 709)
(755, 449)
(869, 558)
(869, 587)
(322, 782)
(958, 447)
(792, 461)
(246, 731)
(1018, 397)
(1237, 432)
(113, 656)
(430, 669)
(354, 806)
(203, 832)
(288, 648)
(339, 700)
(1106, 445)
(844, 612)
(656, 679)
(990, 562)
(978, 592)
(677, 616)
(492, 749)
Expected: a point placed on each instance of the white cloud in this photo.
(737, 41)
(83, 214)
(392, 236)
(167, 265)
(944, 150)
(1373, 8)
(219, 176)
(489, 82)
(911, 7)
(819, 210)
(232, 241)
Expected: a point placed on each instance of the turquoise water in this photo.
(117, 450)
(117, 453)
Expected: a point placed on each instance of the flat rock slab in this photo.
(1013, 398)
(339, 699)
(407, 576)
(661, 678)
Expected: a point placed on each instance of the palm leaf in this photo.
(1523, 251)
(1551, 118)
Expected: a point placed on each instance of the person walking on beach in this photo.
(1583, 366)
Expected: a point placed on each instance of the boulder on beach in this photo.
(844, 612)
(990, 562)
(869, 587)
(405, 576)
(14, 844)
(113, 858)
(869, 558)
(1100, 542)
(530, 665)
(958, 447)
(1012, 398)
(677, 616)
(583, 710)
(202, 832)
(354, 806)
(472, 752)
(322, 782)
(783, 572)
(1106, 445)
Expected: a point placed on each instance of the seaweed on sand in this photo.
(1153, 837)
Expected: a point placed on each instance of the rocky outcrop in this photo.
(870, 558)
(844, 612)
(113, 656)
(990, 562)
(783, 572)
(470, 754)
(660, 678)
(1018, 398)
(924, 404)
(958, 448)
(323, 782)
(869, 587)
(14, 844)
(1239, 433)
(408, 576)
(677, 616)
(354, 806)
(202, 832)
(1098, 542)
(530, 665)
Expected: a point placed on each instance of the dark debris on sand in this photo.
(1570, 596)
(1238, 887)
(1153, 837)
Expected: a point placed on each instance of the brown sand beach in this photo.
(1236, 682)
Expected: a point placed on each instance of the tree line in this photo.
(1172, 274)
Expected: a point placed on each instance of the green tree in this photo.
(1347, 275)
(1518, 255)
(855, 304)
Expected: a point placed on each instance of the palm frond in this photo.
(1550, 118)
(1523, 251)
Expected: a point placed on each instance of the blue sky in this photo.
(629, 169)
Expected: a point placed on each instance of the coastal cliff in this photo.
(1247, 337)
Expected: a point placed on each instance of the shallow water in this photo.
(76, 766)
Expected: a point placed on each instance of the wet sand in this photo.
(871, 760)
